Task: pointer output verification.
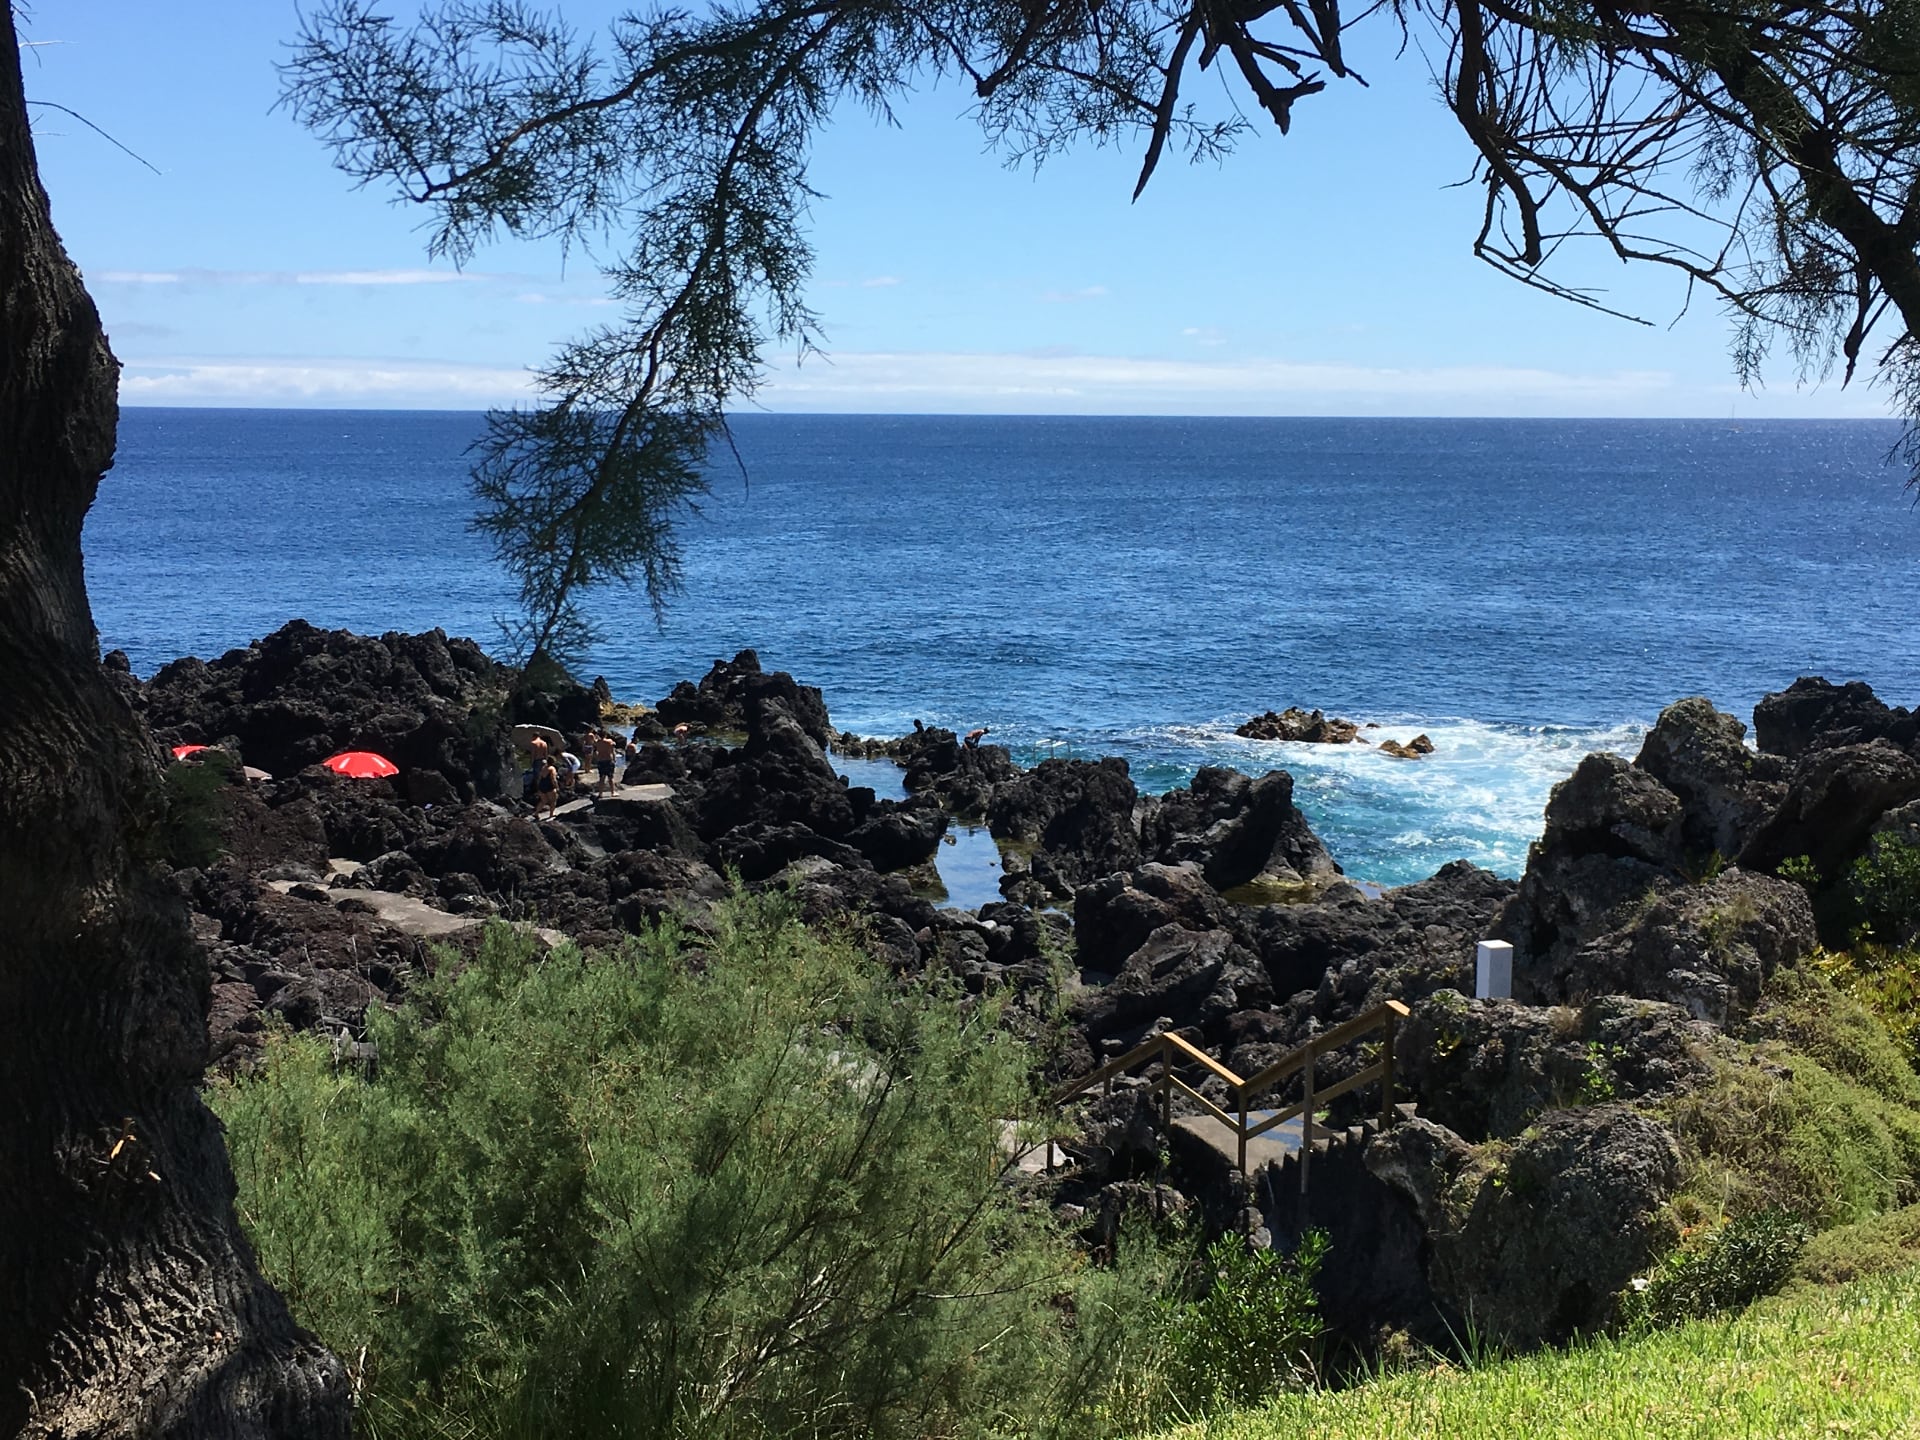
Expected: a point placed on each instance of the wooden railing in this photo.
(1172, 1051)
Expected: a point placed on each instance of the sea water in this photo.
(1523, 592)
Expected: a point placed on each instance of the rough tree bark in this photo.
(129, 1302)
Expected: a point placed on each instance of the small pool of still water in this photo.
(968, 859)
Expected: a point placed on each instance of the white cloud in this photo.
(536, 297)
(880, 282)
(1047, 382)
(1074, 297)
(289, 277)
(1038, 382)
(342, 382)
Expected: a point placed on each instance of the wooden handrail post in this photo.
(1242, 1132)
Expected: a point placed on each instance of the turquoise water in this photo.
(1521, 591)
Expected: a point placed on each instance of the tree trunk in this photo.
(129, 1302)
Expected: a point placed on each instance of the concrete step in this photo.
(1272, 1148)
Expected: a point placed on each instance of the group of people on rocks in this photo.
(552, 775)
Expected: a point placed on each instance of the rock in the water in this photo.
(1294, 723)
(897, 837)
(1413, 749)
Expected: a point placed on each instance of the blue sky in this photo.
(1327, 272)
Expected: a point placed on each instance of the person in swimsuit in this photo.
(604, 749)
(546, 789)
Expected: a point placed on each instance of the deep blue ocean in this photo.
(1524, 591)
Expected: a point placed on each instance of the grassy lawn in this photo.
(1826, 1362)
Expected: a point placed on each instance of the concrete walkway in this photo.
(403, 912)
(610, 804)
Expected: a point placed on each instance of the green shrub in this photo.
(1826, 1010)
(1802, 871)
(1723, 1269)
(1885, 980)
(1254, 1330)
(1779, 1130)
(745, 1185)
(1874, 1246)
(1885, 884)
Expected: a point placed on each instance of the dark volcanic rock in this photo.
(1488, 1068)
(1354, 953)
(724, 698)
(1114, 915)
(301, 694)
(1834, 797)
(1613, 835)
(895, 837)
(1725, 790)
(1199, 976)
(1236, 829)
(1706, 947)
(1812, 714)
(1538, 1257)
(960, 777)
(781, 777)
(1294, 723)
(1079, 815)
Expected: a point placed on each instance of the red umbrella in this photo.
(180, 752)
(360, 764)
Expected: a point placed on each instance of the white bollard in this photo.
(1493, 970)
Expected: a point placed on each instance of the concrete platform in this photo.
(1029, 1159)
(410, 916)
(623, 795)
(1268, 1149)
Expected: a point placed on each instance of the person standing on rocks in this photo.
(604, 749)
(546, 787)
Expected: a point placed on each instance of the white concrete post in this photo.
(1493, 970)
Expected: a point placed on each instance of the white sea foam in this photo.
(1480, 796)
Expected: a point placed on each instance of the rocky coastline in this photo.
(1519, 1191)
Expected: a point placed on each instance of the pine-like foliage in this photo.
(1768, 153)
(730, 1185)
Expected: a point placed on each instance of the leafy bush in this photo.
(1254, 1330)
(737, 1185)
(1885, 883)
(1886, 981)
(1802, 871)
(1722, 1269)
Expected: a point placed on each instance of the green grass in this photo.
(1822, 1362)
